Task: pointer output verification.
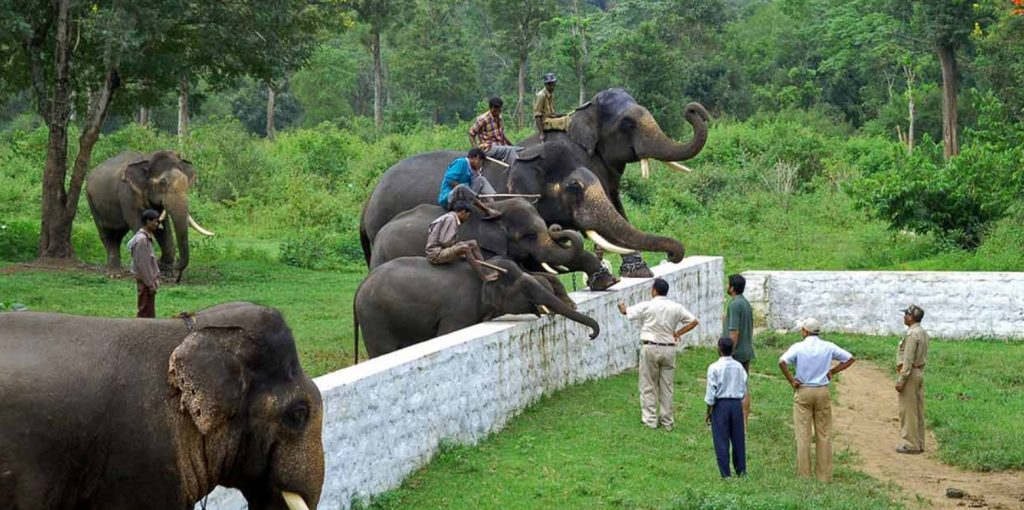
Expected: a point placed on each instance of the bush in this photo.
(19, 240)
(318, 249)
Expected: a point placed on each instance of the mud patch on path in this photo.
(866, 420)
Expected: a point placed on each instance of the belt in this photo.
(646, 342)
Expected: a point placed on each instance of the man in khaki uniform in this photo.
(659, 342)
(910, 362)
(443, 246)
(544, 116)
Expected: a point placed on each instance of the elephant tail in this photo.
(365, 241)
(355, 330)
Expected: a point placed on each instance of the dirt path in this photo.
(867, 421)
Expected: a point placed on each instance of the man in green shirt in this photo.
(739, 326)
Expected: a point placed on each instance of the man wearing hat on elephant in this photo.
(911, 359)
(544, 116)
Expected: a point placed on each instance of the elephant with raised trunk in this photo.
(520, 234)
(409, 300)
(605, 134)
(121, 414)
(121, 188)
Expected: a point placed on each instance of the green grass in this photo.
(585, 448)
(974, 396)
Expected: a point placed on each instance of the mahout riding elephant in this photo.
(605, 134)
(112, 414)
(520, 234)
(122, 187)
(408, 300)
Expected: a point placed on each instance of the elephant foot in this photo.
(601, 280)
(633, 266)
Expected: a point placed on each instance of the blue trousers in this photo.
(726, 427)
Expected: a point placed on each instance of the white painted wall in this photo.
(386, 417)
(956, 304)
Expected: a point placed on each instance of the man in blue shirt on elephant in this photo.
(463, 181)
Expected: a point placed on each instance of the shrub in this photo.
(318, 249)
(19, 240)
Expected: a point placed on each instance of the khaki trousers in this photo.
(912, 411)
(657, 374)
(812, 406)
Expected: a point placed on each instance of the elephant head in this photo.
(516, 292)
(571, 195)
(522, 234)
(237, 378)
(161, 181)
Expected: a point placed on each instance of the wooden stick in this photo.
(492, 266)
(508, 195)
(498, 161)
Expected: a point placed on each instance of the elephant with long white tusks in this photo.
(121, 188)
(123, 414)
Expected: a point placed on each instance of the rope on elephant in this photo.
(508, 195)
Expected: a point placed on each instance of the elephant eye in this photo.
(297, 415)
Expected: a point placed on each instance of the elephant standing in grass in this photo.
(123, 414)
(121, 188)
(520, 234)
(409, 300)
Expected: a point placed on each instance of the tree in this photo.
(517, 26)
(380, 16)
(75, 56)
(572, 39)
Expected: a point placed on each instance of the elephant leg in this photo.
(633, 266)
(165, 239)
(112, 243)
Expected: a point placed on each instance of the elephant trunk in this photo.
(601, 217)
(553, 252)
(178, 210)
(561, 308)
(652, 142)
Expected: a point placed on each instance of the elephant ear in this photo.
(584, 127)
(210, 377)
(190, 171)
(136, 174)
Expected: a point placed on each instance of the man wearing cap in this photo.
(910, 362)
(488, 133)
(544, 116)
(812, 404)
(659, 340)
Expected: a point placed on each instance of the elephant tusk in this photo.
(603, 243)
(645, 168)
(676, 166)
(544, 310)
(192, 223)
(163, 215)
(563, 269)
(548, 268)
(294, 501)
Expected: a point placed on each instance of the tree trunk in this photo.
(910, 109)
(183, 108)
(378, 82)
(55, 231)
(584, 57)
(520, 106)
(143, 118)
(271, 132)
(947, 58)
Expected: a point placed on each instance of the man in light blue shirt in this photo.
(812, 403)
(726, 386)
(463, 181)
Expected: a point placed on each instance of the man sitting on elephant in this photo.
(488, 133)
(544, 115)
(463, 181)
(442, 245)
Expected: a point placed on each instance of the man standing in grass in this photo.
(812, 404)
(726, 386)
(144, 266)
(659, 340)
(739, 326)
(911, 359)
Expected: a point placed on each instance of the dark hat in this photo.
(550, 78)
(914, 311)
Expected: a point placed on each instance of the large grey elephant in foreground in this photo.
(520, 234)
(409, 300)
(121, 188)
(112, 414)
(608, 132)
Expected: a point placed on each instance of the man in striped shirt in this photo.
(488, 133)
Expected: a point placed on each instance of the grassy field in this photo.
(585, 448)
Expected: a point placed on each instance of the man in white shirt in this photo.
(812, 403)
(726, 387)
(659, 339)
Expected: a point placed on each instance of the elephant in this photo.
(519, 234)
(604, 135)
(111, 414)
(121, 188)
(409, 300)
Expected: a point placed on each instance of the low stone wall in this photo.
(387, 417)
(956, 304)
